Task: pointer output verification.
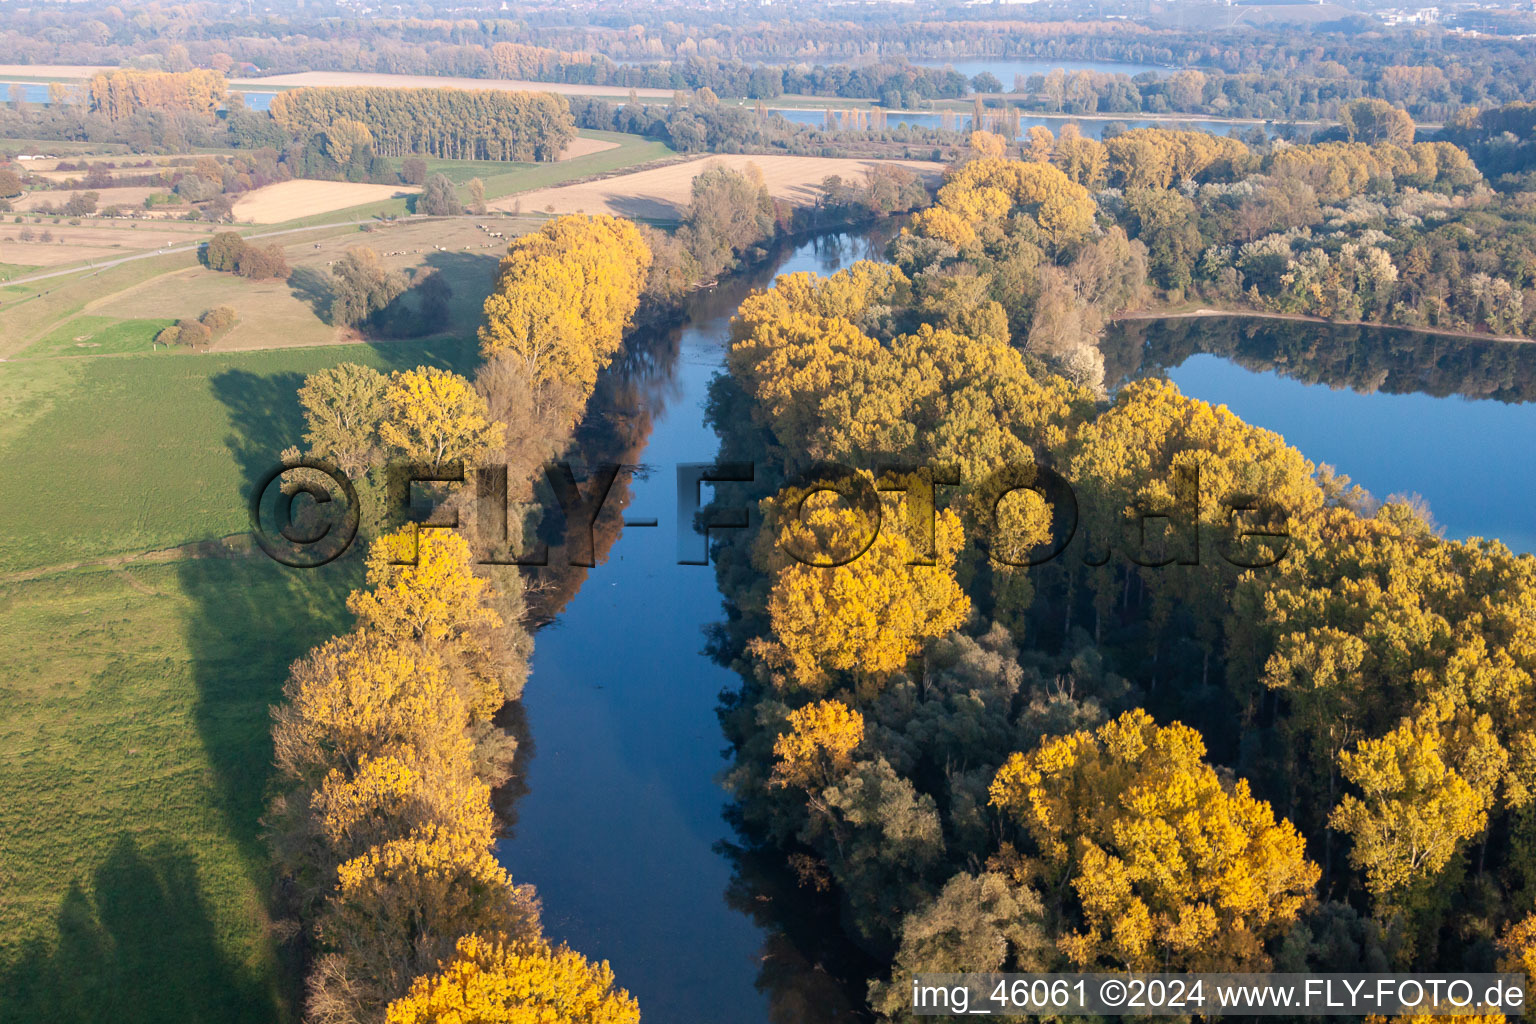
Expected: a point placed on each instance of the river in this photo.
(621, 816)
(618, 819)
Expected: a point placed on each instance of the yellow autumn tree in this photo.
(422, 590)
(1172, 869)
(1156, 452)
(396, 794)
(1040, 145)
(846, 294)
(1416, 653)
(988, 198)
(563, 297)
(494, 980)
(1163, 157)
(820, 743)
(988, 144)
(344, 136)
(363, 695)
(1084, 160)
(400, 907)
(867, 616)
(1425, 788)
(435, 416)
(1517, 947)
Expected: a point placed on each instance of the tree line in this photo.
(124, 92)
(457, 124)
(383, 830)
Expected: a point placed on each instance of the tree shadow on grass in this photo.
(139, 946)
(311, 286)
(264, 416)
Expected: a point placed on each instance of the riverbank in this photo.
(1261, 314)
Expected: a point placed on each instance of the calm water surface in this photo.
(621, 822)
(1400, 412)
(1006, 70)
(1473, 460)
(619, 826)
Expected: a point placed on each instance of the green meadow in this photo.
(134, 750)
(142, 652)
(97, 336)
(106, 457)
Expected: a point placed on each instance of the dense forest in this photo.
(455, 124)
(971, 725)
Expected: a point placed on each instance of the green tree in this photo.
(362, 286)
(440, 198)
(343, 408)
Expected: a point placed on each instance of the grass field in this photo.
(31, 311)
(133, 760)
(138, 453)
(97, 336)
(134, 744)
(10, 270)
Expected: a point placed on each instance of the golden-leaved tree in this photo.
(563, 298)
(1156, 452)
(501, 981)
(989, 197)
(819, 744)
(1172, 868)
(866, 616)
(434, 416)
(1408, 665)
(1163, 157)
(423, 591)
(1419, 801)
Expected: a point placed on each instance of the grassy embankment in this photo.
(134, 747)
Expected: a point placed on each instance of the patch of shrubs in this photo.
(227, 251)
(206, 329)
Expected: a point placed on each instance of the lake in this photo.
(1400, 412)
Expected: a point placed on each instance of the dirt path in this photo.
(173, 250)
(236, 545)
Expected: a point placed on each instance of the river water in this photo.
(618, 820)
(619, 824)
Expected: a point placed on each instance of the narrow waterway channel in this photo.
(621, 817)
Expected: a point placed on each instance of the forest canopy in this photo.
(458, 124)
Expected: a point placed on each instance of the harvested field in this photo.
(585, 147)
(435, 82)
(93, 240)
(126, 197)
(288, 200)
(50, 70)
(661, 192)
